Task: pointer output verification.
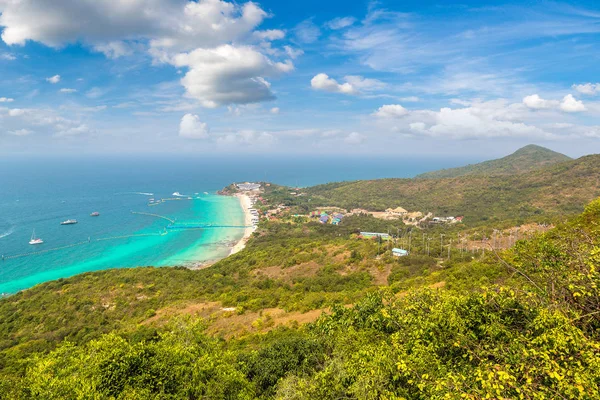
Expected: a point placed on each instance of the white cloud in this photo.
(353, 85)
(180, 25)
(67, 90)
(17, 112)
(96, 92)
(480, 119)
(293, 53)
(537, 103)
(364, 84)
(7, 57)
(114, 49)
(275, 110)
(410, 99)
(247, 137)
(6, 100)
(327, 84)
(354, 138)
(21, 132)
(212, 36)
(307, 32)
(571, 105)
(588, 88)
(228, 74)
(340, 23)
(191, 127)
(64, 130)
(53, 79)
(270, 34)
(391, 111)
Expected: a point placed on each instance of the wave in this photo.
(7, 233)
(140, 193)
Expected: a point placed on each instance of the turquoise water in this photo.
(40, 193)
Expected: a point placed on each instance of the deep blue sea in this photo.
(38, 193)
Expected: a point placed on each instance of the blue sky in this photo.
(387, 77)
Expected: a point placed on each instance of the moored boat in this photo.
(35, 240)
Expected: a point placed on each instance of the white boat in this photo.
(69, 222)
(35, 240)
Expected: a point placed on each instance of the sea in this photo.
(37, 193)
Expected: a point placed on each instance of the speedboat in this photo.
(69, 222)
(95, 214)
(35, 240)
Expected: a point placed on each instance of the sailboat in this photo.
(35, 240)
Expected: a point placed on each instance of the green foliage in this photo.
(526, 159)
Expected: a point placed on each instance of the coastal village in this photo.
(259, 205)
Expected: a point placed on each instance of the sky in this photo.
(406, 78)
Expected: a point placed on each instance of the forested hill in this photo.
(560, 189)
(526, 159)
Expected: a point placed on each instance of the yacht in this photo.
(35, 240)
(95, 214)
(69, 222)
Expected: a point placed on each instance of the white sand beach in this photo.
(246, 206)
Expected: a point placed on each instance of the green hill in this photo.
(554, 190)
(526, 159)
(523, 323)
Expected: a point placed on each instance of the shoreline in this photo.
(246, 204)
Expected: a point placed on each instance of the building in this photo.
(248, 186)
(374, 235)
(398, 211)
(324, 219)
(399, 252)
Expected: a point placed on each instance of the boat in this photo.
(95, 214)
(35, 240)
(69, 222)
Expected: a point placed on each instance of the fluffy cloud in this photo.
(391, 111)
(537, 103)
(25, 121)
(53, 79)
(340, 23)
(7, 57)
(588, 88)
(229, 74)
(353, 84)
(174, 24)
(570, 104)
(327, 84)
(6, 100)
(191, 127)
(479, 120)
(215, 39)
(275, 110)
(67, 90)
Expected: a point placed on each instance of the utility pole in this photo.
(441, 243)
(409, 240)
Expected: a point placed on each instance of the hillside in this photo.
(150, 333)
(556, 190)
(526, 159)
